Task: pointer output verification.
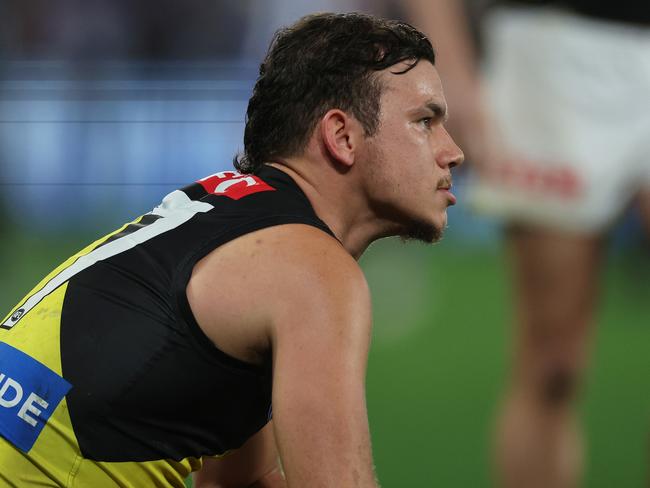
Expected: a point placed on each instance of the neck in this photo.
(340, 203)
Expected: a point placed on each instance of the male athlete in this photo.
(162, 346)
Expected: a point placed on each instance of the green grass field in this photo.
(439, 356)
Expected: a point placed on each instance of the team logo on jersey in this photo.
(17, 314)
(233, 184)
(29, 393)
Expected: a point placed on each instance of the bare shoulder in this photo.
(243, 290)
(301, 252)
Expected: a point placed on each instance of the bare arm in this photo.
(445, 23)
(302, 296)
(321, 341)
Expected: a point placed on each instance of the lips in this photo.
(447, 190)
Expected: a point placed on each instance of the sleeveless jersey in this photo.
(106, 379)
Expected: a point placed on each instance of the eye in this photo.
(426, 121)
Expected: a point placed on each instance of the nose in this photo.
(450, 155)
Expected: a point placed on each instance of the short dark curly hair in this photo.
(321, 62)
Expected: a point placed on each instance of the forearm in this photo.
(325, 448)
(445, 23)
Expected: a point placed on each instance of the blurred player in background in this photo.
(560, 138)
(166, 342)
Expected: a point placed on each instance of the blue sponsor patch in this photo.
(29, 393)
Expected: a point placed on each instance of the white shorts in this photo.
(571, 97)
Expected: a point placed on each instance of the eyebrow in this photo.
(439, 111)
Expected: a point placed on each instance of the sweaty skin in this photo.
(296, 293)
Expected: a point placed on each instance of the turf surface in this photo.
(439, 355)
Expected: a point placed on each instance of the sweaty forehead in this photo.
(421, 84)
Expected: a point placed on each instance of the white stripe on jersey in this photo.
(176, 209)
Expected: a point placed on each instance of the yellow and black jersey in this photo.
(106, 379)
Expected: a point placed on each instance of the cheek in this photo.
(407, 155)
(400, 153)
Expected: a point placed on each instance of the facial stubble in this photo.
(410, 228)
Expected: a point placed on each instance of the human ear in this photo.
(340, 133)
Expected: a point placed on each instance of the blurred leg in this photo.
(555, 280)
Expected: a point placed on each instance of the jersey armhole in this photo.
(184, 271)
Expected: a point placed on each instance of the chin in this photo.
(425, 231)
